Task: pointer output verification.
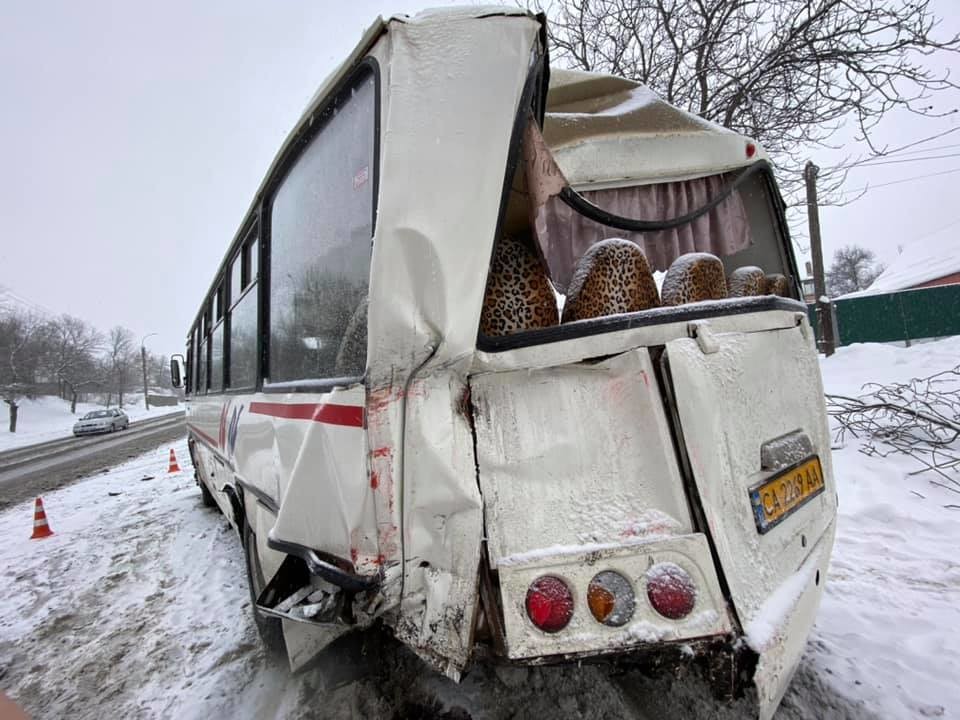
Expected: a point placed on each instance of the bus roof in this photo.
(607, 131)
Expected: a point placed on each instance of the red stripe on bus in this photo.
(202, 434)
(349, 415)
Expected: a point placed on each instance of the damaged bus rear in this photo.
(525, 368)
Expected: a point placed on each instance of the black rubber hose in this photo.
(586, 208)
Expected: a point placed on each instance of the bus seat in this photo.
(611, 277)
(692, 278)
(776, 284)
(746, 281)
(519, 295)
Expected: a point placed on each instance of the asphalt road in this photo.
(50, 470)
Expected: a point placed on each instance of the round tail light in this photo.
(611, 598)
(671, 590)
(751, 149)
(549, 603)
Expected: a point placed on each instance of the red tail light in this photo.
(751, 149)
(671, 590)
(549, 603)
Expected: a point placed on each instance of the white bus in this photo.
(514, 357)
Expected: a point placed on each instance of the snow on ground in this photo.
(888, 630)
(138, 607)
(49, 418)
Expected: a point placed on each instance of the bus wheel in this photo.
(206, 495)
(270, 628)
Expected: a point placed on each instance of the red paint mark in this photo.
(348, 415)
(380, 400)
(354, 554)
(646, 380)
(383, 452)
(374, 479)
(380, 560)
(197, 431)
(644, 529)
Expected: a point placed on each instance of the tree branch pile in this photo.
(919, 418)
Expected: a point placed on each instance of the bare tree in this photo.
(159, 370)
(120, 362)
(853, 268)
(23, 339)
(72, 355)
(786, 72)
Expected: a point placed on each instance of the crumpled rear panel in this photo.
(575, 455)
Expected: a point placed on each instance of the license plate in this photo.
(786, 492)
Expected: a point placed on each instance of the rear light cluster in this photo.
(611, 598)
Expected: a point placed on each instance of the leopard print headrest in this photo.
(746, 281)
(519, 295)
(610, 278)
(692, 278)
(776, 284)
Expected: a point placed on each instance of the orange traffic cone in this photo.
(173, 463)
(40, 527)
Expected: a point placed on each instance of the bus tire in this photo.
(270, 628)
(206, 496)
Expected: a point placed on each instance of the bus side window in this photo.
(243, 316)
(320, 246)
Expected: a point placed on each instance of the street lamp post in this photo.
(143, 362)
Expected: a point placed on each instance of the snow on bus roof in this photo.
(606, 130)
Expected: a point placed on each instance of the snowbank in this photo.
(886, 634)
(48, 418)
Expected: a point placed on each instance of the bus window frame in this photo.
(311, 128)
(188, 367)
(241, 252)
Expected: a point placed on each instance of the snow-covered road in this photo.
(138, 607)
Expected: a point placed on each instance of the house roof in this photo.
(921, 261)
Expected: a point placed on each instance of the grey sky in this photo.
(134, 137)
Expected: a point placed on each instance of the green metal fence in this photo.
(906, 315)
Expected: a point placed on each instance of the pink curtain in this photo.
(564, 235)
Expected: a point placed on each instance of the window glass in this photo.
(236, 281)
(216, 359)
(253, 260)
(202, 368)
(243, 341)
(194, 375)
(321, 226)
(188, 368)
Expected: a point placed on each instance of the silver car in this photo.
(99, 421)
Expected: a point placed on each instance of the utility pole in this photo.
(143, 362)
(824, 309)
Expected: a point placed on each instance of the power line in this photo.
(900, 150)
(936, 148)
(950, 224)
(899, 182)
(873, 163)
